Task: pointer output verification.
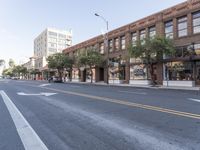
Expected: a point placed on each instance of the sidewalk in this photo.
(134, 86)
(140, 86)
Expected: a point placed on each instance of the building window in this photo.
(169, 29)
(52, 50)
(102, 48)
(152, 32)
(110, 45)
(54, 45)
(123, 42)
(142, 36)
(62, 36)
(182, 26)
(52, 33)
(134, 38)
(54, 40)
(196, 22)
(116, 44)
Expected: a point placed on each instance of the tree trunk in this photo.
(151, 73)
(91, 74)
(60, 74)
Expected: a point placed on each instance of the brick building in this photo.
(180, 23)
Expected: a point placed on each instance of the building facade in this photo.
(49, 42)
(181, 23)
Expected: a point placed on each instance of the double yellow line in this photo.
(137, 105)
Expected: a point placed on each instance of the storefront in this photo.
(75, 75)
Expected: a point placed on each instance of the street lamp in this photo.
(106, 46)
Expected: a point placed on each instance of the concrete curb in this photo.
(127, 85)
(138, 86)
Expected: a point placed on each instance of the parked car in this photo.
(15, 78)
(57, 79)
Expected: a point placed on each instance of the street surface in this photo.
(36, 115)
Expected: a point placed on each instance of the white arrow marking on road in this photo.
(39, 94)
(196, 100)
(43, 85)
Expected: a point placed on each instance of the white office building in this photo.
(49, 42)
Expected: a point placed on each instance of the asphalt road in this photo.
(57, 116)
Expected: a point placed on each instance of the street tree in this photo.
(2, 62)
(151, 51)
(23, 71)
(17, 70)
(60, 61)
(7, 72)
(11, 63)
(90, 59)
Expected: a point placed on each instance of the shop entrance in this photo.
(101, 74)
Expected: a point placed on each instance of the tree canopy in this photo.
(151, 50)
(90, 59)
(60, 61)
(11, 63)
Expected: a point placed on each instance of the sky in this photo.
(23, 20)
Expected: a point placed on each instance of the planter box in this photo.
(179, 83)
(114, 81)
(89, 81)
(140, 82)
(75, 80)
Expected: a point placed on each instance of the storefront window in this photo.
(138, 72)
(179, 70)
(89, 75)
(113, 72)
(75, 74)
(197, 49)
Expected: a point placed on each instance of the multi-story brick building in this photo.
(180, 23)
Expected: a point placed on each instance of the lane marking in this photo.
(29, 137)
(137, 105)
(36, 94)
(42, 85)
(196, 100)
(130, 92)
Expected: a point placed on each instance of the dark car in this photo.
(57, 79)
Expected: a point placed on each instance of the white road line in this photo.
(29, 137)
(196, 100)
(130, 92)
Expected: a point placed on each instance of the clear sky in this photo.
(22, 20)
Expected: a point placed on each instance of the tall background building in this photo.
(52, 41)
(49, 42)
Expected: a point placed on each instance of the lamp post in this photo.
(106, 46)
